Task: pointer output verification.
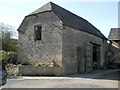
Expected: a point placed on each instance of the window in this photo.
(37, 32)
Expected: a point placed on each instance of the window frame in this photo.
(37, 32)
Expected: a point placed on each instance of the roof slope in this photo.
(70, 19)
(114, 34)
(47, 7)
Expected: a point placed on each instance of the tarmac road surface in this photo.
(91, 80)
(62, 83)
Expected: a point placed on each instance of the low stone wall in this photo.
(33, 70)
(12, 69)
(37, 70)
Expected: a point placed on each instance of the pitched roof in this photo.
(47, 7)
(69, 19)
(114, 34)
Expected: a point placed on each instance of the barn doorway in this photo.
(96, 56)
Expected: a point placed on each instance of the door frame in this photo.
(98, 53)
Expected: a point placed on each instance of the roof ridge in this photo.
(46, 7)
(69, 18)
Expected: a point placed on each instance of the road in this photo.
(62, 83)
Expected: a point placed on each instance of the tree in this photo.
(8, 45)
(7, 42)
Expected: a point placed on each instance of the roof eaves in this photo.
(35, 14)
(86, 31)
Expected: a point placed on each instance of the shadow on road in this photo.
(113, 74)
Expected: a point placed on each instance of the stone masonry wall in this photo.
(12, 69)
(72, 40)
(45, 50)
(33, 70)
(37, 70)
(59, 43)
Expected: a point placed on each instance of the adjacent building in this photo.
(114, 35)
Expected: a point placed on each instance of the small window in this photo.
(37, 32)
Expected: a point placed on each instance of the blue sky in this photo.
(102, 14)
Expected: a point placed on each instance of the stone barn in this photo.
(55, 37)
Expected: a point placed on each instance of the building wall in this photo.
(74, 47)
(60, 43)
(45, 50)
(32, 70)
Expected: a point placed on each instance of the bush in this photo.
(36, 64)
(24, 63)
(4, 56)
(114, 62)
(20, 74)
(8, 57)
(11, 74)
(19, 64)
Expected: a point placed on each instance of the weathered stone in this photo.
(64, 44)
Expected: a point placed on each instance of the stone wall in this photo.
(12, 69)
(113, 56)
(33, 70)
(36, 70)
(59, 43)
(45, 50)
(74, 40)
